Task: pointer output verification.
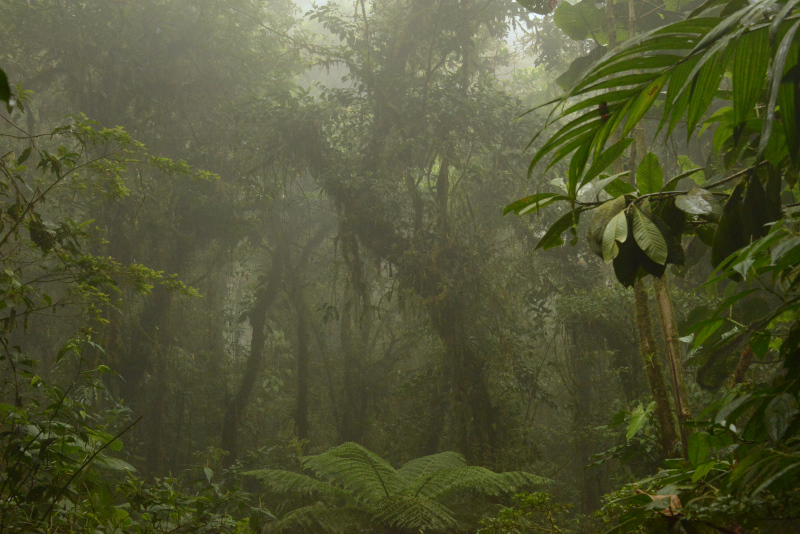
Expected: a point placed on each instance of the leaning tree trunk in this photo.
(265, 296)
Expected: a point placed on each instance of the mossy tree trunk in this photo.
(672, 342)
(652, 367)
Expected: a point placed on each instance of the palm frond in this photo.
(475, 479)
(357, 470)
(288, 482)
(427, 465)
(323, 519)
(688, 58)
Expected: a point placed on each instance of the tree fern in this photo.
(426, 465)
(359, 471)
(288, 482)
(321, 518)
(475, 479)
(415, 513)
(408, 499)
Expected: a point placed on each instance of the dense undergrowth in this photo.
(292, 340)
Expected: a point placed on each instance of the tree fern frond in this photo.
(415, 513)
(320, 518)
(357, 470)
(473, 478)
(427, 465)
(288, 482)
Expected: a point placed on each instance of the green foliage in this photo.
(532, 512)
(61, 469)
(689, 58)
(370, 491)
(742, 457)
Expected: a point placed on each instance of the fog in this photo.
(295, 241)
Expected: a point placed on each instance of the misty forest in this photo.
(400, 266)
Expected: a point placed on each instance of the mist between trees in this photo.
(278, 267)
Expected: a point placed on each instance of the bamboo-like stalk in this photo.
(672, 342)
(652, 366)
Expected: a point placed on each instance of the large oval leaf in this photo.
(649, 175)
(648, 237)
(600, 219)
(616, 232)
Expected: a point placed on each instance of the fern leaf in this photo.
(427, 465)
(287, 482)
(415, 514)
(323, 519)
(475, 479)
(357, 471)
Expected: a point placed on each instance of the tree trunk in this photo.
(652, 366)
(670, 329)
(741, 368)
(265, 296)
(301, 403)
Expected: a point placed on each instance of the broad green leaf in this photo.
(600, 219)
(648, 237)
(618, 187)
(779, 415)
(703, 469)
(786, 476)
(696, 174)
(579, 66)
(699, 448)
(24, 156)
(649, 175)
(638, 419)
(729, 235)
(605, 180)
(616, 231)
(759, 343)
(706, 329)
(115, 464)
(578, 20)
(552, 238)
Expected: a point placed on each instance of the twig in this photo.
(85, 464)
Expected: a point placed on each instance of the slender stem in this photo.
(85, 464)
